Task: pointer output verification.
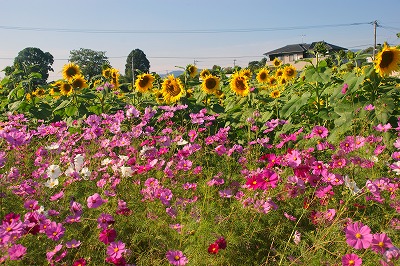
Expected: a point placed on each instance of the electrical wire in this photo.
(190, 31)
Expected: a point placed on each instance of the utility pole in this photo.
(373, 52)
(133, 74)
(234, 63)
(195, 61)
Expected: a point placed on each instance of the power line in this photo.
(191, 31)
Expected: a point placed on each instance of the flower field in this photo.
(269, 166)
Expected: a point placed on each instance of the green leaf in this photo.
(294, 104)
(62, 104)
(71, 110)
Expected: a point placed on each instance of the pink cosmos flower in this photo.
(358, 235)
(176, 257)
(369, 107)
(344, 88)
(383, 128)
(95, 201)
(351, 260)
(16, 252)
(55, 231)
(380, 243)
(319, 131)
(116, 249)
(73, 243)
(293, 158)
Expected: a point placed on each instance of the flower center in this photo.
(358, 235)
(351, 262)
(381, 244)
(116, 249)
(387, 59)
(176, 257)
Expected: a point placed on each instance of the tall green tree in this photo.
(90, 62)
(33, 60)
(138, 61)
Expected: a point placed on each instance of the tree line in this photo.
(34, 64)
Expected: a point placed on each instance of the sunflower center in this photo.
(240, 85)
(289, 72)
(172, 89)
(144, 81)
(387, 59)
(263, 76)
(71, 72)
(211, 83)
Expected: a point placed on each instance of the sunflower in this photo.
(172, 89)
(239, 84)
(114, 78)
(204, 73)
(387, 60)
(282, 81)
(192, 70)
(159, 96)
(219, 93)
(277, 62)
(39, 92)
(78, 82)
(70, 70)
(66, 89)
(272, 81)
(289, 72)
(106, 73)
(144, 82)
(275, 94)
(262, 75)
(210, 84)
(279, 72)
(246, 72)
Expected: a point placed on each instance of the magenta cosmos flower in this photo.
(358, 235)
(95, 201)
(351, 260)
(176, 257)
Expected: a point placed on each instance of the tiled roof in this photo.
(300, 48)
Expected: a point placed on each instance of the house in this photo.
(293, 52)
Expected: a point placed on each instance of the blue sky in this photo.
(167, 31)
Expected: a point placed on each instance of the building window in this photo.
(293, 57)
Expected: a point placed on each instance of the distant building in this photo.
(289, 54)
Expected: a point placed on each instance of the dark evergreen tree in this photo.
(138, 61)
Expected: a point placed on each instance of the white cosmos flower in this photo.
(351, 184)
(53, 146)
(126, 171)
(78, 162)
(51, 183)
(85, 172)
(53, 171)
(106, 161)
(181, 142)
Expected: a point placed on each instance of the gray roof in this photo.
(301, 47)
